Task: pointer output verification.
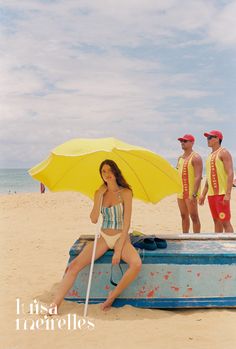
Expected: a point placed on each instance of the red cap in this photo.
(187, 138)
(214, 133)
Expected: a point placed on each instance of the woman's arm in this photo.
(97, 203)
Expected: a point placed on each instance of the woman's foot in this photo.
(108, 302)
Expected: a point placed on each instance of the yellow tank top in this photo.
(186, 172)
(216, 175)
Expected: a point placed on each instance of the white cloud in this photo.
(222, 29)
(130, 22)
(210, 115)
(66, 71)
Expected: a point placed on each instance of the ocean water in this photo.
(17, 181)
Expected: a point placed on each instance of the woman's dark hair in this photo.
(117, 173)
(220, 141)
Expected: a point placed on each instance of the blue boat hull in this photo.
(187, 274)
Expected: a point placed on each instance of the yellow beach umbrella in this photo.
(74, 166)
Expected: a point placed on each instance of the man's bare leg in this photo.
(228, 228)
(218, 226)
(184, 215)
(193, 211)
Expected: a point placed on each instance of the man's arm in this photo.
(197, 165)
(203, 195)
(177, 165)
(226, 157)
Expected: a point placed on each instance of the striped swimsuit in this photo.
(113, 217)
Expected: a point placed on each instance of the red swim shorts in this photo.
(220, 209)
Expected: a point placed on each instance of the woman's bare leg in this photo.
(76, 266)
(131, 257)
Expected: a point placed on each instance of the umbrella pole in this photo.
(91, 272)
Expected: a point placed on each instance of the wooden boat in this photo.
(195, 270)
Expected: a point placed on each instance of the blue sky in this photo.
(144, 71)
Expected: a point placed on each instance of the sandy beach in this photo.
(37, 232)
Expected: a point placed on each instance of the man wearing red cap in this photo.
(219, 182)
(190, 169)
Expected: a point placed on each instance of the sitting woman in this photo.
(114, 199)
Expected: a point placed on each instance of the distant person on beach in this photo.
(219, 182)
(114, 201)
(190, 170)
(42, 188)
